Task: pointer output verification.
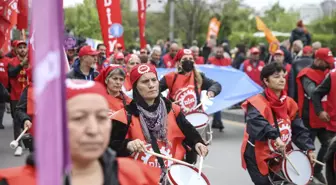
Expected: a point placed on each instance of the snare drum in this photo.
(201, 122)
(179, 174)
(283, 169)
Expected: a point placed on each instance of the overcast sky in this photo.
(257, 4)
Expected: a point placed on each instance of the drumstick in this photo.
(200, 166)
(319, 162)
(15, 143)
(169, 158)
(290, 162)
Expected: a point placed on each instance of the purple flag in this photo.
(51, 135)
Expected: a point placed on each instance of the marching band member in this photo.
(186, 84)
(89, 134)
(307, 80)
(113, 78)
(272, 124)
(253, 66)
(151, 122)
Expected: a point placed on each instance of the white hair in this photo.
(155, 49)
(316, 45)
(298, 43)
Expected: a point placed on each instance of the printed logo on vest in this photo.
(169, 64)
(249, 68)
(285, 134)
(260, 68)
(151, 160)
(187, 98)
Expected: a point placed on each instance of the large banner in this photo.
(236, 86)
(51, 138)
(142, 6)
(110, 23)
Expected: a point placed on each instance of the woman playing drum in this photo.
(151, 122)
(272, 124)
(89, 134)
(113, 78)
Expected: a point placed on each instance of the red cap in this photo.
(279, 52)
(105, 72)
(254, 50)
(118, 45)
(139, 70)
(18, 42)
(87, 50)
(119, 55)
(326, 55)
(307, 50)
(76, 87)
(181, 53)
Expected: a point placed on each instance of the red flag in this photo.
(142, 5)
(9, 11)
(5, 41)
(22, 18)
(110, 23)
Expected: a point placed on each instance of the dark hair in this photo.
(270, 69)
(118, 71)
(98, 46)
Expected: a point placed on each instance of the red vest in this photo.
(264, 149)
(168, 61)
(254, 72)
(316, 76)
(175, 136)
(116, 103)
(31, 108)
(288, 68)
(19, 175)
(19, 82)
(331, 108)
(4, 71)
(182, 90)
(199, 60)
(127, 83)
(220, 62)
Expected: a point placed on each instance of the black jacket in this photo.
(299, 34)
(4, 94)
(208, 85)
(259, 129)
(76, 73)
(319, 92)
(119, 143)
(21, 108)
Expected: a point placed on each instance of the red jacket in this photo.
(254, 72)
(199, 60)
(4, 71)
(19, 82)
(220, 62)
(316, 76)
(168, 61)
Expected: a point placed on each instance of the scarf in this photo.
(154, 122)
(278, 105)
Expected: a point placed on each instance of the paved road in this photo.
(222, 166)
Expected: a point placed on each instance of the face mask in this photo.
(187, 65)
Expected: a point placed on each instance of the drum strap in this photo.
(129, 120)
(195, 85)
(275, 121)
(160, 160)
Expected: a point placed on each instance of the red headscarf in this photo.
(105, 72)
(181, 53)
(141, 69)
(79, 87)
(278, 105)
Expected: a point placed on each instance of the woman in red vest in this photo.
(253, 66)
(272, 123)
(89, 135)
(132, 61)
(151, 122)
(307, 80)
(113, 78)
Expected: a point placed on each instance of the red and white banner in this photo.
(110, 23)
(8, 18)
(142, 6)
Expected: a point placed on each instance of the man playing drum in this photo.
(265, 138)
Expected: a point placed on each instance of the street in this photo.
(222, 166)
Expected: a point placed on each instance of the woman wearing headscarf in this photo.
(113, 78)
(186, 84)
(151, 122)
(89, 133)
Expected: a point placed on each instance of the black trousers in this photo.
(324, 136)
(16, 124)
(2, 111)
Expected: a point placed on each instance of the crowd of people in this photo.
(130, 116)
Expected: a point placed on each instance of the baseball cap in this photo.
(325, 54)
(279, 52)
(17, 43)
(254, 50)
(87, 50)
(307, 50)
(119, 55)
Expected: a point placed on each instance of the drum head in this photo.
(302, 165)
(198, 120)
(184, 175)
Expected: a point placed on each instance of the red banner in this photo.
(22, 18)
(110, 23)
(9, 11)
(142, 5)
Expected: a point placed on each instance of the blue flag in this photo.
(236, 86)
